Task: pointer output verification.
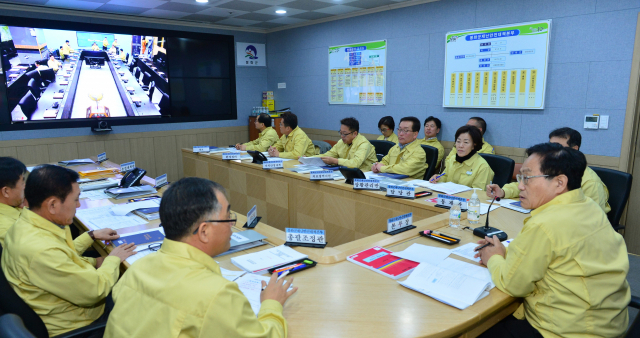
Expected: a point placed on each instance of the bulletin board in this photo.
(358, 73)
(497, 67)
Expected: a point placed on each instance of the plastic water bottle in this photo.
(454, 216)
(473, 213)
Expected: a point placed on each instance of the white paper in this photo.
(484, 208)
(466, 251)
(448, 188)
(507, 203)
(125, 208)
(313, 161)
(231, 275)
(259, 262)
(476, 271)
(222, 150)
(251, 286)
(424, 254)
(102, 217)
(93, 195)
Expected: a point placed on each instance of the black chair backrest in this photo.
(11, 326)
(382, 147)
(48, 75)
(10, 302)
(34, 88)
(164, 104)
(146, 78)
(432, 160)
(152, 87)
(126, 59)
(28, 104)
(136, 73)
(502, 168)
(34, 74)
(619, 185)
(132, 66)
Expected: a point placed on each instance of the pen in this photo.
(437, 177)
(444, 235)
(482, 247)
(281, 276)
(491, 183)
(448, 239)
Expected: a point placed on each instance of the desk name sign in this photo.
(447, 201)
(252, 218)
(200, 149)
(321, 175)
(102, 157)
(400, 224)
(312, 238)
(365, 184)
(231, 156)
(161, 181)
(401, 192)
(127, 166)
(272, 164)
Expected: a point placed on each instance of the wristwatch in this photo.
(91, 235)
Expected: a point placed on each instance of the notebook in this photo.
(383, 262)
(260, 262)
(244, 240)
(141, 238)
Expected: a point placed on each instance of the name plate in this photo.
(200, 149)
(161, 180)
(273, 164)
(309, 236)
(251, 216)
(230, 156)
(449, 201)
(398, 191)
(321, 175)
(365, 184)
(102, 157)
(127, 166)
(399, 222)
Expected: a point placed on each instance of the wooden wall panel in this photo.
(9, 151)
(184, 141)
(88, 149)
(34, 154)
(144, 155)
(64, 151)
(119, 151)
(164, 157)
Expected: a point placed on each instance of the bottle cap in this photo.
(474, 195)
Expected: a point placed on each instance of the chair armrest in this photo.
(84, 331)
(635, 302)
(618, 227)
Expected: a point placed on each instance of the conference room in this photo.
(319, 168)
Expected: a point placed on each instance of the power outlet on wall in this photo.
(282, 85)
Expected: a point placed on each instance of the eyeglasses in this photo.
(345, 135)
(154, 247)
(404, 131)
(384, 130)
(525, 179)
(233, 218)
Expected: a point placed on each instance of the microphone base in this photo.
(482, 232)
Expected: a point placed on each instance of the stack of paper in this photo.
(448, 188)
(312, 161)
(244, 240)
(76, 162)
(251, 286)
(93, 195)
(467, 250)
(87, 184)
(424, 254)
(125, 208)
(260, 262)
(119, 193)
(102, 217)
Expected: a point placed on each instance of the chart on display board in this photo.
(358, 74)
(497, 67)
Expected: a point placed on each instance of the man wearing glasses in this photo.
(179, 290)
(294, 142)
(592, 186)
(406, 157)
(567, 262)
(353, 150)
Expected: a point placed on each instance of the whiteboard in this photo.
(358, 73)
(497, 67)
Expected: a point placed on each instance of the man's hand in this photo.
(276, 290)
(493, 190)
(496, 248)
(238, 145)
(273, 152)
(435, 179)
(376, 167)
(99, 261)
(329, 160)
(124, 251)
(105, 234)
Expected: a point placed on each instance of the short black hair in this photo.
(558, 160)
(290, 120)
(186, 203)
(49, 181)
(573, 136)
(66, 40)
(352, 123)
(265, 118)
(481, 122)
(10, 171)
(474, 132)
(122, 50)
(387, 121)
(414, 121)
(435, 120)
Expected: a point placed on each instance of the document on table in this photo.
(223, 150)
(143, 250)
(93, 195)
(312, 161)
(484, 208)
(424, 254)
(466, 251)
(231, 275)
(251, 286)
(448, 188)
(125, 208)
(102, 217)
(513, 205)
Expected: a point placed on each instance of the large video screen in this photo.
(65, 75)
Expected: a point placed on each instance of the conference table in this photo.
(340, 299)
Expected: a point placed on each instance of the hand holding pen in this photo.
(435, 178)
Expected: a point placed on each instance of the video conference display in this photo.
(62, 74)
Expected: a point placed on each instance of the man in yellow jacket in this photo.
(43, 264)
(105, 44)
(481, 124)
(267, 137)
(179, 291)
(53, 63)
(66, 50)
(294, 142)
(95, 47)
(407, 157)
(12, 178)
(353, 150)
(567, 262)
(592, 186)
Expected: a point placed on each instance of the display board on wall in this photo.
(497, 67)
(358, 73)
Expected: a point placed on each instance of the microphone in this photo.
(486, 230)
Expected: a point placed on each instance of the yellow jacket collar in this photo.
(9, 211)
(569, 197)
(42, 223)
(189, 252)
(265, 131)
(293, 132)
(470, 162)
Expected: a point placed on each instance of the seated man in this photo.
(95, 47)
(353, 150)
(567, 262)
(592, 186)
(294, 142)
(123, 56)
(407, 157)
(12, 177)
(43, 264)
(180, 289)
(53, 63)
(481, 124)
(266, 138)
(432, 127)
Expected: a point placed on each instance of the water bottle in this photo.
(454, 216)
(473, 213)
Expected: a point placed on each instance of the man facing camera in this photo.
(407, 157)
(481, 124)
(43, 264)
(567, 262)
(179, 291)
(12, 178)
(267, 137)
(294, 142)
(353, 150)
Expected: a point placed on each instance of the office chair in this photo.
(619, 185)
(502, 168)
(126, 59)
(132, 66)
(34, 74)
(152, 87)
(136, 73)
(11, 326)
(382, 147)
(164, 104)
(10, 302)
(28, 104)
(432, 160)
(35, 89)
(47, 76)
(146, 79)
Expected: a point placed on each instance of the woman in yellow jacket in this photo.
(467, 167)
(386, 126)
